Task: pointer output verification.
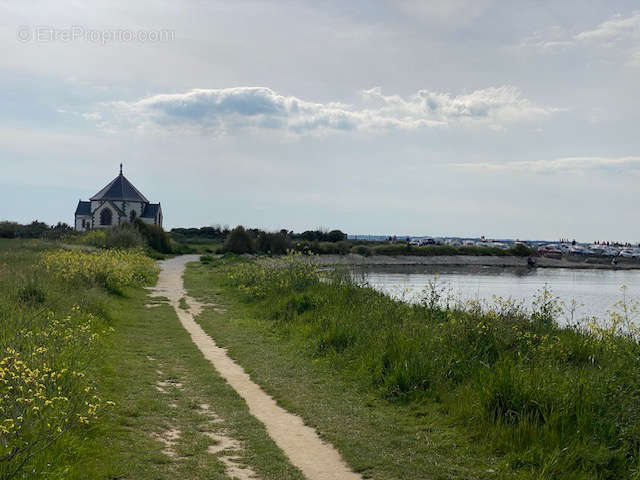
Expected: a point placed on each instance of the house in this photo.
(116, 203)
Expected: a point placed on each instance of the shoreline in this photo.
(472, 261)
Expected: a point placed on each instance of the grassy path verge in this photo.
(378, 439)
(316, 459)
(174, 416)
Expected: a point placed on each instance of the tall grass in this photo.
(558, 402)
(54, 317)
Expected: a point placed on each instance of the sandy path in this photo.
(316, 459)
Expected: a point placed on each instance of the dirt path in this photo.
(316, 459)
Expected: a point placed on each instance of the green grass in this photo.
(144, 362)
(381, 439)
(447, 393)
(149, 346)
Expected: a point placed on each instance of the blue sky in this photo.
(467, 117)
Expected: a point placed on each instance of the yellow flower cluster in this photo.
(43, 390)
(111, 268)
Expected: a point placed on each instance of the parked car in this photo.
(549, 249)
(427, 241)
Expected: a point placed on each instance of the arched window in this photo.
(132, 215)
(105, 217)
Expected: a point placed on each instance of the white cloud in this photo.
(616, 29)
(92, 116)
(496, 106)
(564, 164)
(620, 32)
(230, 109)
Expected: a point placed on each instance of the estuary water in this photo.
(595, 291)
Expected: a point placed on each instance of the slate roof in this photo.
(150, 210)
(83, 208)
(120, 189)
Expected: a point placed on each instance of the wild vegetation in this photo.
(553, 402)
(34, 229)
(255, 241)
(52, 310)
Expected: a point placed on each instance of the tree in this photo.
(239, 241)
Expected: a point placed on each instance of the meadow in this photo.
(548, 402)
(54, 318)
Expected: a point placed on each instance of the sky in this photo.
(464, 118)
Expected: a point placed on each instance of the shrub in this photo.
(521, 250)
(124, 236)
(94, 238)
(154, 235)
(34, 229)
(9, 229)
(272, 243)
(362, 250)
(206, 259)
(239, 241)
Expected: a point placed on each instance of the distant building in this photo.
(116, 203)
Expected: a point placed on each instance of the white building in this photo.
(116, 203)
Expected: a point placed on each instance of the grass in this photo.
(149, 377)
(381, 439)
(447, 393)
(150, 349)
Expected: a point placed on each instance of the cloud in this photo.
(229, 109)
(495, 106)
(619, 31)
(613, 30)
(92, 116)
(564, 164)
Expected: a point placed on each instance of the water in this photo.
(595, 291)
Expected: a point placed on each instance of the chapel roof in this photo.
(83, 208)
(150, 210)
(120, 189)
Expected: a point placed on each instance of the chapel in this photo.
(118, 202)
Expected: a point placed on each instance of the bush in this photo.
(273, 243)
(521, 250)
(206, 259)
(94, 238)
(362, 250)
(9, 229)
(154, 235)
(124, 236)
(239, 241)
